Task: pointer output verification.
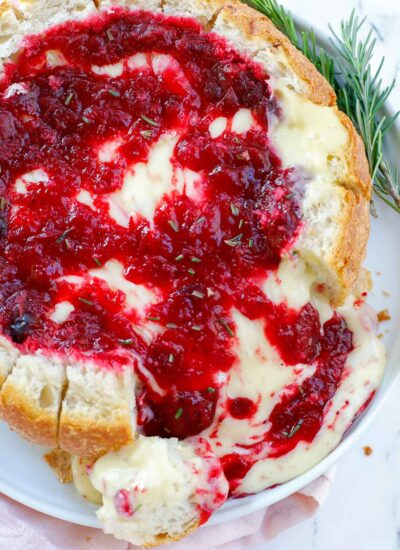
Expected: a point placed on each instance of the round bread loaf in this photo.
(62, 400)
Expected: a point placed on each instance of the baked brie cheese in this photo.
(184, 214)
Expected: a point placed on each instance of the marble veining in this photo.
(363, 509)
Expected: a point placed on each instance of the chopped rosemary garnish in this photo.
(174, 225)
(357, 85)
(97, 261)
(228, 329)
(114, 93)
(234, 241)
(178, 413)
(179, 257)
(109, 35)
(149, 120)
(198, 294)
(3, 203)
(171, 325)
(211, 390)
(251, 242)
(240, 224)
(147, 134)
(201, 219)
(171, 358)
(153, 318)
(126, 342)
(234, 209)
(86, 119)
(294, 429)
(197, 328)
(69, 99)
(87, 302)
(191, 271)
(195, 260)
(64, 235)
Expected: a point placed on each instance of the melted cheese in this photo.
(242, 121)
(54, 58)
(81, 480)
(16, 88)
(307, 135)
(161, 62)
(218, 127)
(138, 297)
(259, 375)
(189, 183)
(61, 312)
(84, 197)
(145, 184)
(35, 176)
(292, 284)
(137, 61)
(112, 71)
(364, 369)
(108, 151)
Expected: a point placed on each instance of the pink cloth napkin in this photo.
(24, 529)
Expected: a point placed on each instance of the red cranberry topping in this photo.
(242, 407)
(202, 258)
(124, 505)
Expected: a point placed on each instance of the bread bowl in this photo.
(325, 255)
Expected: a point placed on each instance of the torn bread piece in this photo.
(98, 411)
(60, 462)
(20, 18)
(30, 398)
(158, 490)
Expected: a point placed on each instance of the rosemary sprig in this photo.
(362, 98)
(359, 89)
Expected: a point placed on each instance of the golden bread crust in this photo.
(164, 538)
(32, 422)
(60, 462)
(92, 439)
(257, 27)
(351, 246)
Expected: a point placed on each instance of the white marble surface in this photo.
(363, 509)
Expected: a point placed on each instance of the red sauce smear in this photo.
(227, 242)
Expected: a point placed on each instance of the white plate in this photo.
(25, 477)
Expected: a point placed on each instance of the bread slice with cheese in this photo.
(155, 490)
(87, 410)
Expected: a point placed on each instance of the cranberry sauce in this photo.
(201, 258)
